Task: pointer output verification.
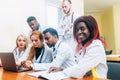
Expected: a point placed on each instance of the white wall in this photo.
(78, 6)
(13, 15)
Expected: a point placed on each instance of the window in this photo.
(53, 13)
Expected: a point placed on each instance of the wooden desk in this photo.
(113, 58)
(7, 75)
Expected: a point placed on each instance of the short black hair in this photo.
(31, 18)
(52, 31)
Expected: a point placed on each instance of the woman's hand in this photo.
(54, 69)
(26, 64)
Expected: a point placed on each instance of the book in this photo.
(49, 76)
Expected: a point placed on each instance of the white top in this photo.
(63, 57)
(94, 57)
(17, 54)
(45, 58)
(67, 22)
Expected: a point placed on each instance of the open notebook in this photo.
(48, 76)
(8, 62)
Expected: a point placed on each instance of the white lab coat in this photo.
(63, 57)
(94, 57)
(47, 56)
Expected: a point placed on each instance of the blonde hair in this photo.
(26, 40)
(32, 50)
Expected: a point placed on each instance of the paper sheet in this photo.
(50, 76)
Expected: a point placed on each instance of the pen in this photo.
(54, 69)
(51, 69)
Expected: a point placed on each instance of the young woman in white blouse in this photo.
(37, 52)
(90, 52)
(21, 45)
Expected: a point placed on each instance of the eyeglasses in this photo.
(80, 28)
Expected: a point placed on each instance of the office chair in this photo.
(113, 71)
(108, 52)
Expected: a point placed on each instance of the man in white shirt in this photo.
(63, 55)
(66, 23)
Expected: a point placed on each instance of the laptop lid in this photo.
(9, 64)
(8, 61)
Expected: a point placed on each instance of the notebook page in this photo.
(50, 76)
(36, 74)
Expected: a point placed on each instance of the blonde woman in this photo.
(21, 45)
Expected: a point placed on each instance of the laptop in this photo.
(9, 64)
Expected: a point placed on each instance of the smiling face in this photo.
(82, 32)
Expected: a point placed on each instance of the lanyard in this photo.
(39, 59)
(55, 52)
(71, 18)
(42, 54)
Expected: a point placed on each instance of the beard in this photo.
(67, 11)
(50, 45)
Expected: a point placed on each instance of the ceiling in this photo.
(98, 5)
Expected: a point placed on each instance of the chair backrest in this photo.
(108, 52)
(113, 70)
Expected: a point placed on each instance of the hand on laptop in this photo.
(18, 63)
(26, 63)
